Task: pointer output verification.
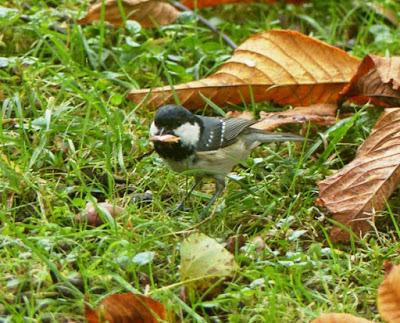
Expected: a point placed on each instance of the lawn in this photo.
(69, 136)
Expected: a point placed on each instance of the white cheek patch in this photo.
(189, 133)
(153, 129)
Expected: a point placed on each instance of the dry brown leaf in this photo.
(240, 114)
(126, 308)
(377, 81)
(362, 187)
(386, 12)
(321, 114)
(283, 66)
(339, 318)
(209, 3)
(389, 296)
(149, 13)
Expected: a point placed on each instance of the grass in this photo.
(68, 137)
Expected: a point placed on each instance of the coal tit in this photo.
(207, 146)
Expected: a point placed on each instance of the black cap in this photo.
(172, 116)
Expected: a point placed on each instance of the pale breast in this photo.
(220, 161)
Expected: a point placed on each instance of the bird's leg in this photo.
(180, 206)
(219, 188)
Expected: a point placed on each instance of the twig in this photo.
(205, 22)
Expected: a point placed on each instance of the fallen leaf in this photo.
(362, 187)
(386, 12)
(209, 3)
(389, 296)
(387, 267)
(92, 216)
(240, 114)
(204, 261)
(126, 308)
(149, 13)
(339, 318)
(283, 66)
(320, 114)
(377, 81)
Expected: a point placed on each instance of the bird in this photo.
(206, 146)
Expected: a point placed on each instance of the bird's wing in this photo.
(218, 133)
(234, 127)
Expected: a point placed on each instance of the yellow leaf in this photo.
(204, 261)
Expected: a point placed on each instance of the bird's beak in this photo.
(165, 138)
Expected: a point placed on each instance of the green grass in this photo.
(68, 137)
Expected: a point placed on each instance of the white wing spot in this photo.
(210, 138)
(222, 132)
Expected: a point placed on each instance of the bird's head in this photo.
(175, 129)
